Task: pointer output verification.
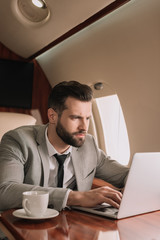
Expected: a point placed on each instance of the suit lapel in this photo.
(43, 152)
(45, 163)
(81, 167)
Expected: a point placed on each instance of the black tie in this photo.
(60, 160)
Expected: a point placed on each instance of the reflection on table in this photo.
(76, 225)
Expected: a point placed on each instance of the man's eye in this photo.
(74, 117)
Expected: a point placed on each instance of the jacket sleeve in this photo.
(110, 170)
(14, 166)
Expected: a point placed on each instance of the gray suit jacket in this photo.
(24, 166)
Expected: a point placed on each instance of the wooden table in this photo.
(76, 225)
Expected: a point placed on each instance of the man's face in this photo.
(73, 123)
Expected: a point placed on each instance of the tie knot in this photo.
(60, 158)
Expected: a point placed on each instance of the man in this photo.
(28, 160)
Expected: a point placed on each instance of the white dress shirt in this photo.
(69, 175)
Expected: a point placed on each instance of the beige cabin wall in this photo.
(122, 50)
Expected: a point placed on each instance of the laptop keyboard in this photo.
(108, 209)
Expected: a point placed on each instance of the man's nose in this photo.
(83, 125)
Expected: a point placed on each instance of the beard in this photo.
(69, 138)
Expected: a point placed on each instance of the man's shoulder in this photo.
(89, 141)
(89, 149)
(27, 128)
(90, 138)
(24, 131)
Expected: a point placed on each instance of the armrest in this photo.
(100, 183)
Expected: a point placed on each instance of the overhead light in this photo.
(34, 10)
(39, 3)
(98, 86)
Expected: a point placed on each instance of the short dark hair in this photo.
(63, 90)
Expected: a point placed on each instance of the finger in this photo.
(106, 188)
(112, 194)
(111, 202)
(115, 197)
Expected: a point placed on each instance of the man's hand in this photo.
(96, 196)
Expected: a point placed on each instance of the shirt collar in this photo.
(51, 149)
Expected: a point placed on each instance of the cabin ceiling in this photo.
(26, 38)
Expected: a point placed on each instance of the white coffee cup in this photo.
(35, 203)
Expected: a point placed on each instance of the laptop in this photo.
(142, 190)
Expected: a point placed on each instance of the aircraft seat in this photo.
(9, 121)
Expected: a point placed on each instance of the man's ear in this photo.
(52, 116)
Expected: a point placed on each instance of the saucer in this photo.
(50, 213)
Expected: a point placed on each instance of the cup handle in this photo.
(24, 204)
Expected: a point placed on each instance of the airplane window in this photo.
(114, 128)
